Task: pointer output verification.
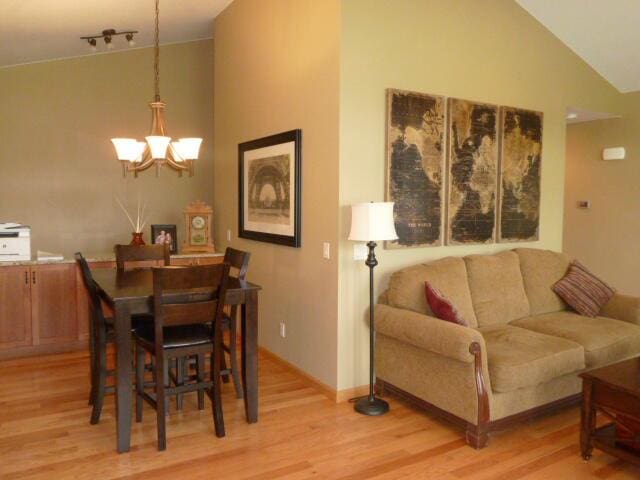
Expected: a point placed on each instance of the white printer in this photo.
(15, 242)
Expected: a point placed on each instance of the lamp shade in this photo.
(128, 149)
(187, 148)
(372, 221)
(158, 145)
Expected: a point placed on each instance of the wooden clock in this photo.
(197, 219)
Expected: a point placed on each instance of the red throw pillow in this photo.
(442, 307)
(583, 291)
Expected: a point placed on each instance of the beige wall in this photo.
(58, 171)
(490, 51)
(277, 69)
(605, 237)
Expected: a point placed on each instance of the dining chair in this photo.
(100, 334)
(126, 254)
(187, 304)
(238, 260)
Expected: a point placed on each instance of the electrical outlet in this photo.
(228, 235)
(326, 250)
(360, 251)
(283, 330)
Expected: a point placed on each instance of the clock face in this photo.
(197, 222)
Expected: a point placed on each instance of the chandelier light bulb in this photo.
(158, 146)
(187, 148)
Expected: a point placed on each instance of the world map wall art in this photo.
(461, 172)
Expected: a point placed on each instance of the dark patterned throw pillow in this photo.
(583, 291)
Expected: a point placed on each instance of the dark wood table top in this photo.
(138, 283)
(624, 376)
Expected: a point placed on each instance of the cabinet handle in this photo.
(33, 277)
(26, 277)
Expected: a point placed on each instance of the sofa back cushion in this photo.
(497, 289)
(541, 269)
(449, 275)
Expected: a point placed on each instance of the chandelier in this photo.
(157, 149)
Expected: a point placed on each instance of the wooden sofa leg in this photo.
(476, 437)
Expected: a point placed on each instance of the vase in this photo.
(137, 239)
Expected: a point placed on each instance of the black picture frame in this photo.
(293, 238)
(171, 229)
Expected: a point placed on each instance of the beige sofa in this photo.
(521, 354)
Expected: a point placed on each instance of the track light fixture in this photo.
(107, 36)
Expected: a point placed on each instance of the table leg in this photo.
(587, 419)
(123, 375)
(249, 313)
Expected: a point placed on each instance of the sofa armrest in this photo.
(623, 307)
(429, 333)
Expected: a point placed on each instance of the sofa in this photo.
(521, 353)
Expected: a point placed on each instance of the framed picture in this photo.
(269, 203)
(165, 234)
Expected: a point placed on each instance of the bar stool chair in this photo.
(188, 304)
(238, 260)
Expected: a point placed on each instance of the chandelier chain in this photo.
(157, 53)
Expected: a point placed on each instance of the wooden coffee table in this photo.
(614, 391)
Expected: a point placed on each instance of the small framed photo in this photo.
(270, 174)
(165, 234)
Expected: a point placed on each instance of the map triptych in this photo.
(462, 172)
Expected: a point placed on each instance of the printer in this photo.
(15, 242)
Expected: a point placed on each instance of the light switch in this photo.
(326, 250)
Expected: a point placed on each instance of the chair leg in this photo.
(166, 383)
(161, 405)
(233, 354)
(223, 367)
(92, 356)
(140, 357)
(200, 373)
(216, 388)
(101, 374)
(179, 381)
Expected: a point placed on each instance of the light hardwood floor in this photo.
(45, 434)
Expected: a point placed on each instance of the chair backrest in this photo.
(90, 284)
(187, 296)
(239, 260)
(141, 253)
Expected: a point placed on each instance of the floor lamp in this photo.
(372, 222)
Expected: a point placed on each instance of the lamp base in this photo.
(371, 406)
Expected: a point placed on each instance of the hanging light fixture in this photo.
(158, 149)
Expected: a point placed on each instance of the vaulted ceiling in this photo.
(605, 33)
(37, 30)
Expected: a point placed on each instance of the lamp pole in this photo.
(371, 405)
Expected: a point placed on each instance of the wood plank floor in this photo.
(45, 434)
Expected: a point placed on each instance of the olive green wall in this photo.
(605, 236)
(277, 69)
(490, 51)
(58, 171)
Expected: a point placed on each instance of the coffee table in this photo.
(614, 391)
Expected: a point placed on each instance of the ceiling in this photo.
(604, 33)
(38, 30)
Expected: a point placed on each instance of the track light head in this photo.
(130, 40)
(92, 44)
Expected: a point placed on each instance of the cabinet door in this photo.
(53, 303)
(15, 307)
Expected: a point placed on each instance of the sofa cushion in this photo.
(449, 275)
(605, 340)
(540, 270)
(520, 358)
(496, 286)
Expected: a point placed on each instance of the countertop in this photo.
(102, 257)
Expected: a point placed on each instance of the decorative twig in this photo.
(133, 225)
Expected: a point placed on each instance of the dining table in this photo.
(130, 292)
